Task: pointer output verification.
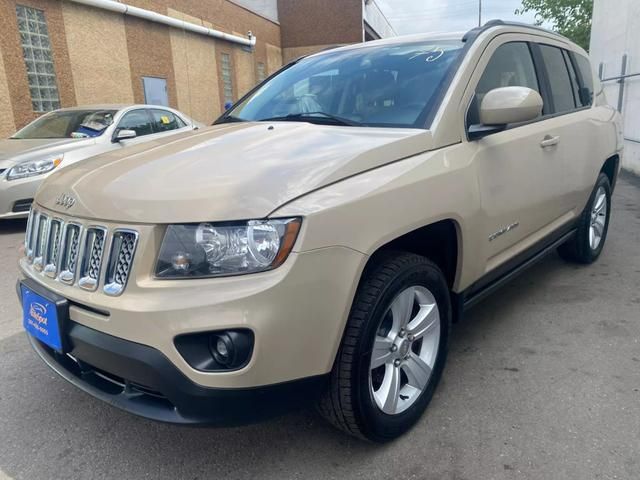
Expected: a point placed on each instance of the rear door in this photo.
(575, 149)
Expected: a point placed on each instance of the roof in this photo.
(113, 106)
(468, 36)
(103, 106)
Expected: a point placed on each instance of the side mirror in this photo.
(125, 135)
(503, 106)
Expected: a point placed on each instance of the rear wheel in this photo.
(393, 350)
(588, 242)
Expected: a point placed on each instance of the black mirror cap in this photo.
(476, 132)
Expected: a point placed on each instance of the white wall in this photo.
(266, 8)
(373, 16)
(616, 31)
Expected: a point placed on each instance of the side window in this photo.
(559, 80)
(573, 76)
(163, 121)
(138, 121)
(510, 66)
(586, 90)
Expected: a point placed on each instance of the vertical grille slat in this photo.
(28, 238)
(69, 258)
(53, 248)
(92, 252)
(123, 247)
(75, 254)
(40, 242)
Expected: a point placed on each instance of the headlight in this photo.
(33, 168)
(211, 250)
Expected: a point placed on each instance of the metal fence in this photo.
(622, 83)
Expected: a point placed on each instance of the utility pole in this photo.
(479, 13)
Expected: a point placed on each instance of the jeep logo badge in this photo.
(66, 201)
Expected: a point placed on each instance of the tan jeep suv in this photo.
(317, 242)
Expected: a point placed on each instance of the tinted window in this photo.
(164, 120)
(391, 85)
(138, 121)
(586, 91)
(573, 76)
(559, 80)
(510, 66)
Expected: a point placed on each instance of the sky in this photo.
(417, 16)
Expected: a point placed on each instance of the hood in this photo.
(13, 151)
(225, 172)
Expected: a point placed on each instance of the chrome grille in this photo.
(92, 258)
(67, 250)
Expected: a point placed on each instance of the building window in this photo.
(227, 79)
(262, 74)
(36, 50)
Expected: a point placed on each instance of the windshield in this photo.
(68, 124)
(388, 86)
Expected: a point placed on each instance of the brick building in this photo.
(194, 55)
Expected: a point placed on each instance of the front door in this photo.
(519, 179)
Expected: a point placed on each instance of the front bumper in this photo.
(141, 380)
(14, 193)
(296, 312)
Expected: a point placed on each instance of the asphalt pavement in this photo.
(542, 382)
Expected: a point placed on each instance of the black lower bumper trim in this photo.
(141, 380)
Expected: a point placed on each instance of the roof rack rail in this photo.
(474, 32)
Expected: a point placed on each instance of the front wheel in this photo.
(393, 350)
(593, 225)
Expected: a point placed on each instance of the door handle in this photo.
(549, 141)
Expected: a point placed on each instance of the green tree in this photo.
(571, 18)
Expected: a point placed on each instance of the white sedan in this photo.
(69, 135)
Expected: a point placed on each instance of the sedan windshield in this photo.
(383, 85)
(68, 124)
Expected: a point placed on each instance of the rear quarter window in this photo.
(163, 121)
(586, 90)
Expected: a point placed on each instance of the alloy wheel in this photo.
(405, 350)
(598, 219)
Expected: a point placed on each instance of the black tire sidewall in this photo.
(374, 423)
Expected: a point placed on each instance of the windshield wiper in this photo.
(311, 116)
(229, 119)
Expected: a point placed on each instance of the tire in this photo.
(583, 247)
(355, 400)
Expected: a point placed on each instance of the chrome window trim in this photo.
(112, 288)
